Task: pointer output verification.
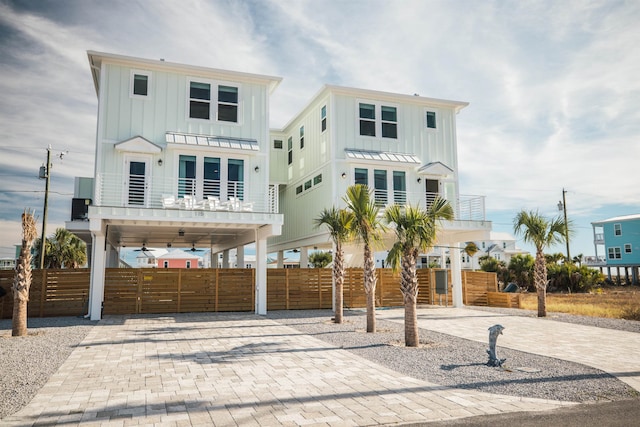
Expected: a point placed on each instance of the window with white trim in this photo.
(277, 144)
(165, 264)
(199, 100)
(378, 120)
(301, 137)
(431, 119)
(140, 81)
(290, 150)
(227, 104)
(627, 248)
(323, 118)
(614, 253)
(188, 264)
(617, 229)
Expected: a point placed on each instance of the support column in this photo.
(96, 289)
(240, 257)
(456, 274)
(225, 258)
(304, 257)
(280, 259)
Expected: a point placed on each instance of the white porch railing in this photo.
(139, 191)
(466, 208)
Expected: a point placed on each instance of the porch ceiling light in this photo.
(181, 233)
(257, 169)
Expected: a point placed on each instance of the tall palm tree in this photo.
(22, 280)
(367, 228)
(542, 233)
(339, 222)
(416, 232)
(63, 250)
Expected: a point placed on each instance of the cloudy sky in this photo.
(553, 87)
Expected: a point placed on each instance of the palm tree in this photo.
(416, 232)
(320, 259)
(541, 232)
(63, 250)
(367, 228)
(22, 280)
(339, 222)
(471, 249)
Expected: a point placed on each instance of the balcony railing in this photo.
(139, 191)
(465, 208)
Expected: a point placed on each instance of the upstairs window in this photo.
(431, 119)
(323, 118)
(301, 137)
(627, 248)
(617, 229)
(277, 144)
(367, 119)
(228, 104)
(389, 122)
(140, 84)
(614, 253)
(199, 100)
(290, 150)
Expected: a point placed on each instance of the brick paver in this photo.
(227, 370)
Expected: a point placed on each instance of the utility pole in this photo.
(563, 207)
(46, 175)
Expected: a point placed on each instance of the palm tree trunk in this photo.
(338, 274)
(411, 338)
(22, 279)
(540, 280)
(370, 288)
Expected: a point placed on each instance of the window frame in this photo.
(302, 137)
(427, 112)
(132, 77)
(377, 120)
(214, 101)
(290, 151)
(614, 252)
(275, 144)
(323, 118)
(617, 229)
(628, 248)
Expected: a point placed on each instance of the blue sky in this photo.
(553, 87)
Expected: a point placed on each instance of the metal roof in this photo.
(381, 156)
(212, 141)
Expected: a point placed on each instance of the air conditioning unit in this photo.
(80, 209)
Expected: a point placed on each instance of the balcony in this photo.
(114, 190)
(465, 208)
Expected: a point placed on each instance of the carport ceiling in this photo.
(178, 234)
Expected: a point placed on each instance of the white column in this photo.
(225, 258)
(456, 274)
(280, 259)
(261, 272)
(304, 257)
(240, 257)
(96, 289)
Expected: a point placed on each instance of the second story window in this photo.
(367, 119)
(389, 122)
(617, 229)
(140, 84)
(301, 137)
(199, 100)
(228, 104)
(290, 150)
(277, 144)
(323, 118)
(431, 119)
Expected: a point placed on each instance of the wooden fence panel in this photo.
(198, 290)
(121, 289)
(476, 286)
(278, 288)
(236, 290)
(354, 296)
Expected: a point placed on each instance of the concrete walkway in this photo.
(228, 370)
(615, 352)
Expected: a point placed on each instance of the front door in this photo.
(432, 190)
(137, 182)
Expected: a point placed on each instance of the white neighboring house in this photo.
(148, 257)
(403, 147)
(500, 246)
(182, 159)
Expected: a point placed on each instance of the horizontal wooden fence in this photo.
(133, 291)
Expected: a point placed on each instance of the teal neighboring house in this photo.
(620, 237)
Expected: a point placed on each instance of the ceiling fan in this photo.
(194, 249)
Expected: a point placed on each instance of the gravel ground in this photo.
(28, 362)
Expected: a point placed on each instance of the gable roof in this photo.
(435, 168)
(178, 254)
(138, 144)
(618, 219)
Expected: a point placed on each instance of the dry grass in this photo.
(616, 303)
